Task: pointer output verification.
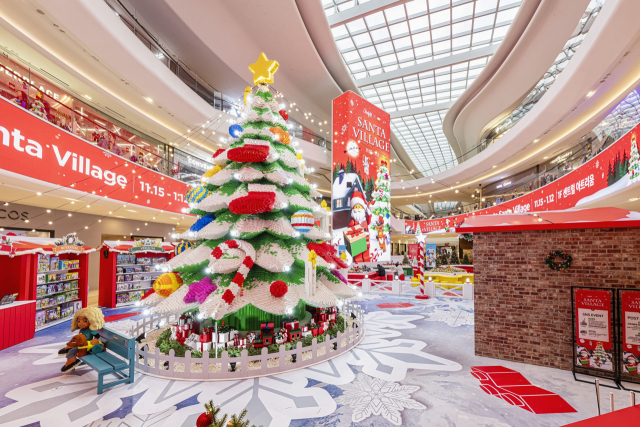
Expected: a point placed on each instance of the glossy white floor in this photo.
(412, 369)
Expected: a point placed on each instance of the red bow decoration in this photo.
(354, 232)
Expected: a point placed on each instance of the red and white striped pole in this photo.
(421, 267)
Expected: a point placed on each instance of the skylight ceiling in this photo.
(442, 44)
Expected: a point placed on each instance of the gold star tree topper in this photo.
(263, 70)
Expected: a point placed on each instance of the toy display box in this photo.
(356, 240)
(41, 317)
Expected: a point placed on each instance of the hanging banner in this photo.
(630, 302)
(361, 190)
(34, 148)
(430, 255)
(593, 329)
(613, 169)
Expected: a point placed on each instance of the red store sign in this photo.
(34, 148)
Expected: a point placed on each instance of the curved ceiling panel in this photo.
(601, 73)
(205, 33)
(538, 46)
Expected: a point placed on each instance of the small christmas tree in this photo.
(600, 356)
(634, 161)
(209, 418)
(405, 260)
(455, 260)
(37, 107)
(465, 259)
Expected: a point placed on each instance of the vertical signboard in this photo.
(430, 255)
(593, 329)
(412, 252)
(630, 315)
(361, 186)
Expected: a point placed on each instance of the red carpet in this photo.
(629, 417)
(515, 389)
(120, 316)
(394, 305)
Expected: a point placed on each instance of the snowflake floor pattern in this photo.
(412, 369)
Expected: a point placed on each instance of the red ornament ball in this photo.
(284, 114)
(204, 420)
(278, 288)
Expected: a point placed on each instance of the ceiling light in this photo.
(86, 96)
(148, 99)
(39, 194)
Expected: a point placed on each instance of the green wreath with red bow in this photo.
(550, 260)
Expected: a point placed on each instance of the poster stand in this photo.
(597, 373)
(625, 298)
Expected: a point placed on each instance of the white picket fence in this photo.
(404, 287)
(214, 369)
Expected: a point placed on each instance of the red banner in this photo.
(611, 170)
(630, 331)
(361, 190)
(32, 147)
(593, 329)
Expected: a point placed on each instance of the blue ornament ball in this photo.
(235, 130)
(202, 222)
(181, 247)
(302, 221)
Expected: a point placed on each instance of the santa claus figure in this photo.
(358, 210)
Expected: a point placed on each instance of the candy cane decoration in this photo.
(237, 284)
(421, 269)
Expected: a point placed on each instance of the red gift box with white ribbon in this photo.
(291, 325)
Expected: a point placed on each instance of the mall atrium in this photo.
(305, 213)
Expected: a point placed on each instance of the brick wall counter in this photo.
(523, 308)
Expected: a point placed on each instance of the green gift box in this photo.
(355, 240)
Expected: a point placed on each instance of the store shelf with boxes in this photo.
(129, 268)
(49, 278)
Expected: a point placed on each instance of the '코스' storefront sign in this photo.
(32, 147)
(361, 181)
(630, 331)
(593, 329)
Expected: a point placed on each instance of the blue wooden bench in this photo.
(107, 363)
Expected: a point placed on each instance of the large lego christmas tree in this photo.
(256, 225)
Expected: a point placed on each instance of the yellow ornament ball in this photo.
(166, 284)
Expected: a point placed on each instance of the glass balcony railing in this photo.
(624, 117)
(28, 89)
